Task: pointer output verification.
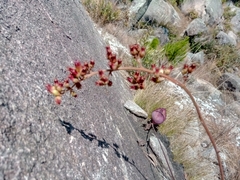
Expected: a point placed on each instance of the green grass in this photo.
(176, 50)
(102, 11)
(176, 125)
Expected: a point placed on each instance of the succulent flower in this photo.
(159, 116)
(137, 51)
(137, 81)
(103, 80)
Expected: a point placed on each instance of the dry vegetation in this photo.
(181, 118)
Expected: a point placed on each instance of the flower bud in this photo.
(142, 52)
(55, 92)
(159, 116)
(73, 94)
(109, 83)
(58, 99)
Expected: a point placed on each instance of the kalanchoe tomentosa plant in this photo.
(81, 72)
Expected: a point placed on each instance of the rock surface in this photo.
(135, 109)
(210, 10)
(90, 137)
(196, 27)
(230, 82)
(224, 39)
(158, 11)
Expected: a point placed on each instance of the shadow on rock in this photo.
(101, 143)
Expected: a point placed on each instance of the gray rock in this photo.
(135, 109)
(235, 23)
(89, 137)
(230, 82)
(210, 10)
(224, 38)
(232, 109)
(232, 35)
(197, 57)
(158, 11)
(205, 90)
(214, 11)
(162, 34)
(161, 152)
(197, 26)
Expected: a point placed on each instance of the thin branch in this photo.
(53, 90)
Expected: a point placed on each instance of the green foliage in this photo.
(228, 14)
(193, 15)
(176, 51)
(153, 51)
(102, 11)
(176, 2)
(226, 57)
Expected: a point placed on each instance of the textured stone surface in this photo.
(158, 11)
(135, 109)
(224, 38)
(196, 58)
(230, 82)
(90, 137)
(197, 26)
(209, 10)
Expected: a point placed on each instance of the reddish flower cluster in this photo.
(188, 69)
(79, 71)
(137, 51)
(77, 74)
(137, 81)
(158, 71)
(103, 79)
(113, 63)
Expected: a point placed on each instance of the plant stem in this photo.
(142, 69)
(196, 107)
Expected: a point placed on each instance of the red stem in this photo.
(142, 69)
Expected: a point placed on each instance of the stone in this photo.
(196, 57)
(206, 90)
(230, 82)
(158, 11)
(161, 152)
(235, 24)
(162, 34)
(135, 109)
(225, 39)
(210, 10)
(88, 137)
(197, 26)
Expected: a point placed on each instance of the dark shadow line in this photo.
(101, 143)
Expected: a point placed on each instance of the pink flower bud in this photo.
(73, 79)
(159, 116)
(129, 79)
(142, 52)
(109, 83)
(91, 64)
(66, 83)
(168, 70)
(58, 99)
(55, 92)
(49, 88)
(100, 72)
(77, 64)
(73, 94)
